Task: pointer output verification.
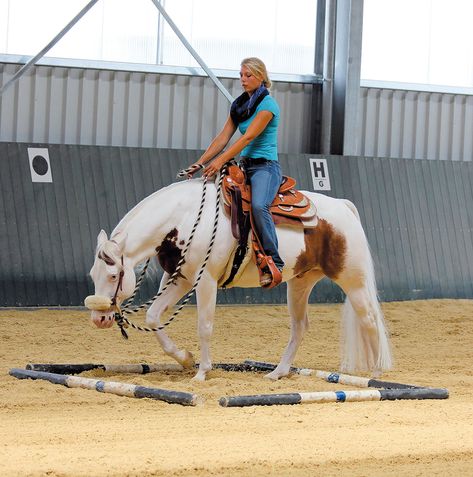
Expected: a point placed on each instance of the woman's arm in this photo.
(216, 146)
(257, 126)
(219, 143)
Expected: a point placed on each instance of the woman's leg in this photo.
(265, 180)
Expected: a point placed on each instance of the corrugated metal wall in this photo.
(59, 105)
(415, 124)
(417, 216)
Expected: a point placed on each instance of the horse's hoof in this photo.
(273, 376)
(199, 377)
(187, 361)
(377, 373)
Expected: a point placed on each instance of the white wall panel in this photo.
(54, 105)
(415, 124)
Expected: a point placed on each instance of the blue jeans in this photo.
(265, 178)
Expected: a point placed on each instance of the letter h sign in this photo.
(320, 177)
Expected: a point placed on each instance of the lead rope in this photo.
(121, 320)
(173, 277)
(128, 303)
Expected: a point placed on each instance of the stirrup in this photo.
(271, 276)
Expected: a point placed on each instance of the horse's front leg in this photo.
(153, 319)
(206, 301)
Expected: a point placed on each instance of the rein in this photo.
(120, 319)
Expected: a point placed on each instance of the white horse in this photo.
(161, 224)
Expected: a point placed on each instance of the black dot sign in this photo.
(40, 165)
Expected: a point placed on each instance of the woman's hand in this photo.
(213, 168)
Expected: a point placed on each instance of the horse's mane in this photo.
(144, 202)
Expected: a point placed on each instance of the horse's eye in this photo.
(113, 278)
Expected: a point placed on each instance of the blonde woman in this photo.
(256, 114)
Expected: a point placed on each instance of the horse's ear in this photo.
(101, 238)
(120, 239)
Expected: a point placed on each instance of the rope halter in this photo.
(103, 303)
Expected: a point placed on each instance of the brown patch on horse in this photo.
(325, 248)
(169, 254)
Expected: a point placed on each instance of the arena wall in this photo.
(416, 214)
(395, 122)
(104, 107)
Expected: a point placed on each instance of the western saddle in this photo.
(290, 207)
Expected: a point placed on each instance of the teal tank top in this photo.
(266, 144)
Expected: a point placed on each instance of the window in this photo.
(281, 33)
(421, 41)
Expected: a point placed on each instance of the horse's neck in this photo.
(147, 224)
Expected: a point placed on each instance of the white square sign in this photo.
(40, 166)
(320, 176)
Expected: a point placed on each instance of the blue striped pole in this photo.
(361, 382)
(333, 396)
(331, 377)
(120, 389)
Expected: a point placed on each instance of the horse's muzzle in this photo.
(102, 311)
(103, 319)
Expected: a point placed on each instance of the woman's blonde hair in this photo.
(258, 69)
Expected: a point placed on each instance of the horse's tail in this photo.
(365, 340)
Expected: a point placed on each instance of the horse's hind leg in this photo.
(167, 300)
(298, 291)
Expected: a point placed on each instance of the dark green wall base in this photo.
(417, 215)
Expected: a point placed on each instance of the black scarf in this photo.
(245, 105)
